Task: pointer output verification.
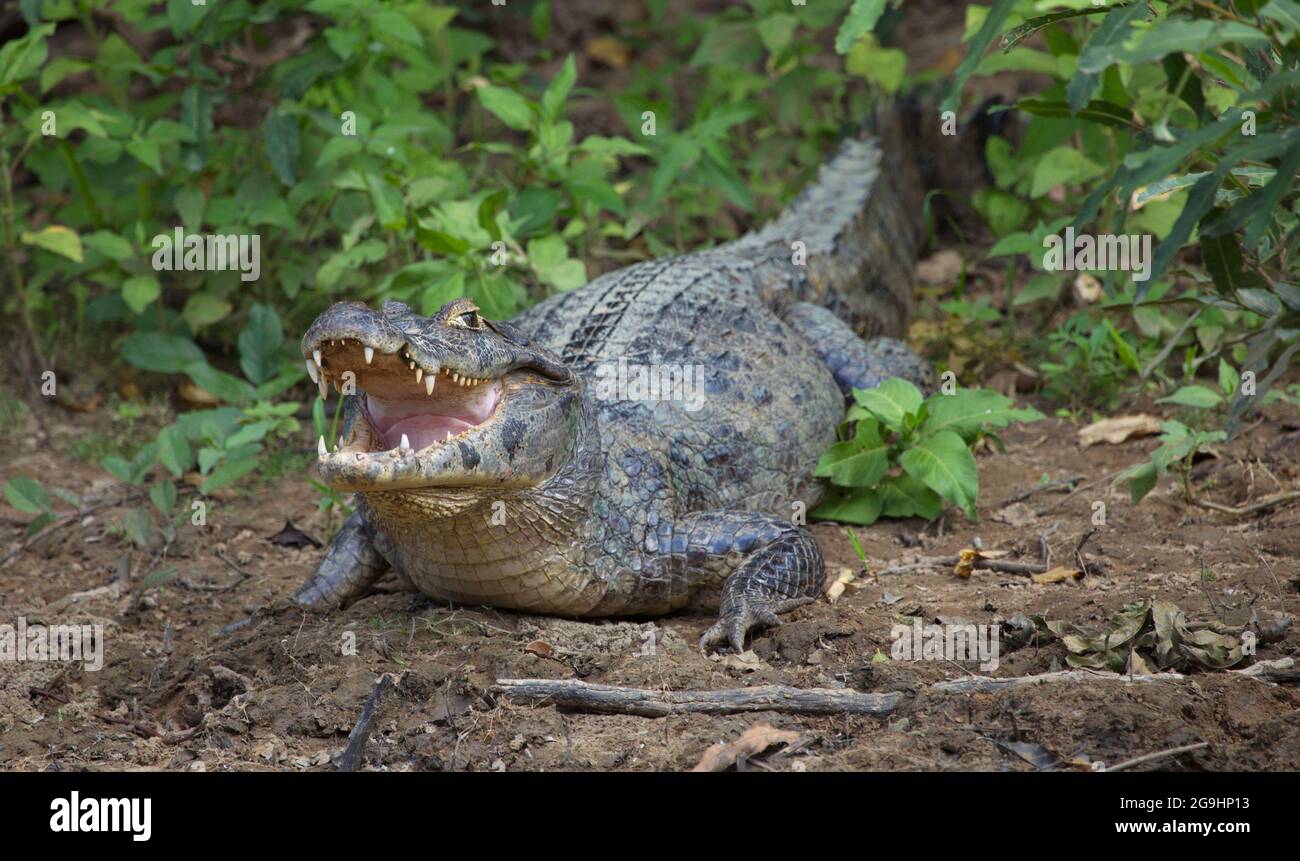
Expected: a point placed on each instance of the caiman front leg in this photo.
(770, 566)
(855, 363)
(351, 565)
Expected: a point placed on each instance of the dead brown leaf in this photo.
(1117, 429)
(608, 50)
(940, 268)
(753, 741)
(1059, 574)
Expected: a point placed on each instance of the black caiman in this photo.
(641, 444)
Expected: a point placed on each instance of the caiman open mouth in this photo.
(410, 404)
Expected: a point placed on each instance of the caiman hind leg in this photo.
(855, 363)
(351, 565)
(770, 566)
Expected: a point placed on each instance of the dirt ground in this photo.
(215, 669)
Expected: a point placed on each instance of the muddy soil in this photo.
(214, 669)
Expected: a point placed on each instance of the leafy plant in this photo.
(902, 454)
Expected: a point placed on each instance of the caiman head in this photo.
(447, 401)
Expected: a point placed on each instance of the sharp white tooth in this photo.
(370, 355)
(419, 373)
(455, 378)
(448, 439)
(311, 371)
(405, 444)
(324, 389)
(315, 354)
(320, 446)
(428, 384)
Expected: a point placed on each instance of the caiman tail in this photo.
(860, 223)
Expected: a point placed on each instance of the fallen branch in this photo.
(1241, 511)
(1282, 670)
(1159, 754)
(608, 699)
(350, 759)
(1004, 565)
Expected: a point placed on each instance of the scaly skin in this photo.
(571, 502)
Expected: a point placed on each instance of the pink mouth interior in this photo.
(426, 421)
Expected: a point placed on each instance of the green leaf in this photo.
(860, 21)
(167, 354)
(860, 506)
(891, 402)
(1228, 378)
(859, 462)
(189, 203)
(108, 244)
(945, 465)
(1224, 263)
(147, 152)
(1141, 482)
(26, 495)
(394, 26)
(885, 67)
(993, 21)
(259, 344)
(777, 31)
(137, 526)
(282, 147)
(163, 496)
(557, 91)
(57, 238)
(1285, 12)
(904, 496)
(20, 58)
(1101, 51)
(1062, 166)
(1096, 111)
(141, 291)
(174, 451)
(1194, 396)
(507, 106)
(204, 309)
(1177, 35)
(967, 411)
(228, 473)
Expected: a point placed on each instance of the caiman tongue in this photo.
(425, 423)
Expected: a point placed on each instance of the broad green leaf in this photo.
(1101, 51)
(174, 451)
(61, 240)
(558, 90)
(904, 496)
(507, 106)
(885, 67)
(858, 462)
(860, 506)
(109, 244)
(966, 411)
(1176, 35)
(1194, 396)
(137, 525)
(945, 465)
(259, 344)
(393, 25)
(26, 495)
(1062, 166)
(281, 135)
(1228, 378)
(204, 309)
(141, 291)
(167, 354)
(228, 473)
(1141, 482)
(861, 20)
(163, 496)
(891, 402)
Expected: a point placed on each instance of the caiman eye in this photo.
(469, 320)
